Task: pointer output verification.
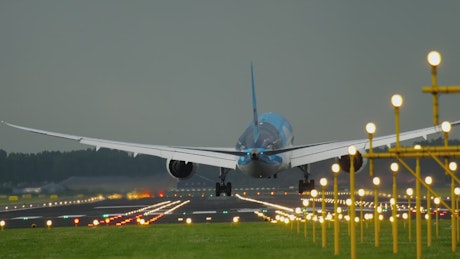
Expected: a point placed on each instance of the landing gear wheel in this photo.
(228, 190)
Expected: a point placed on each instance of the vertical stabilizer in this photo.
(254, 106)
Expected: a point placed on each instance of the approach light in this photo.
(49, 223)
(446, 126)
(428, 180)
(314, 193)
(335, 168)
(361, 192)
(305, 203)
(394, 167)
(434, 58)
(396, 100)
(323, 182)
(410, 191)
(188, 221)
(437, 200)
(352, 150)
(453, 166)
(236, 219)
(457, 191)
(376, 181)
(371, 128)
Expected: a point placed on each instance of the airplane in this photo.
(264, 149)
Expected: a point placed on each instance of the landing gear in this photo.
(222, 187)
(305, 185)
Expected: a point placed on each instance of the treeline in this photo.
(55, 166)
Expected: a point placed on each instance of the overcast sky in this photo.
(178, 72)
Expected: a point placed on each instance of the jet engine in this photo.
(359, 162)
(180, 169)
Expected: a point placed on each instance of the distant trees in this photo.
(55, 166)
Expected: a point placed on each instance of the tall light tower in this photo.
(352, 153)
(394, 169)
(428, 181)
(335, 170)
(323, 183)
(376, 182)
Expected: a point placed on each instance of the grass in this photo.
(217, 240)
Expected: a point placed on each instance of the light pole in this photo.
(323, 183)
(428, 181)
(361, 195)
(335, 170)
(418, 204)
(370, 129)
(305, 204)
(453, 168)
(314, 194)
(457, 194)
(437, 200)
(397, 102)
(434, 59)
(394, 169)
(376, 182)
(409, 193)
(352, 153)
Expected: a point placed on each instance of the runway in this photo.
(172, 208)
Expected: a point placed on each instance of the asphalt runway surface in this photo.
(169, 209)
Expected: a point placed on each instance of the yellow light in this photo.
(188, 221)
(376, 181)
(298, 210)
(335, 168)
(410, 191)
(396, 100)
(305, 203)
(428, 180)
(2, 223)
(457, 191)
(434, 58)
(417, 147)
(339, 210)
(446, 126)
(49, 223)
(453, 166)
(323, 182)
(437, 200)
(361, 192)
(404, 216)
(236, 219)
(348, 202)
(394, 167)
(352, 150)
(314, 193)
(371, 128)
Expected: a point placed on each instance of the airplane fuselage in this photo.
(274, 133)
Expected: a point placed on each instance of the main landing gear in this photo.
(305, 185)
(222, 187)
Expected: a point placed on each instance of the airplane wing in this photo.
(227, 157)
(214, 156)
(311, 154)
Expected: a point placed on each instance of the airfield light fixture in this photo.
(437, 200)
(394, 169)
(314, 194)
(428, 181)
(376, 182)
(49, 223)
(2, 224)
(453, 166)
(397, 102)
(352, 150)
(335, 171)
(370, 129)
(446, 126)
(305, 203)
(323, 183)
(457, 191)
(410, 193)
(434, 58)
(361, 196)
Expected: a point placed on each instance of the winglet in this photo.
(254, 106)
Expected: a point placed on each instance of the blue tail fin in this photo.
(254, 106)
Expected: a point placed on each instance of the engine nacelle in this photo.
(359, 162)
(180, 169)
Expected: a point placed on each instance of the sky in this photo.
(178, 72)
